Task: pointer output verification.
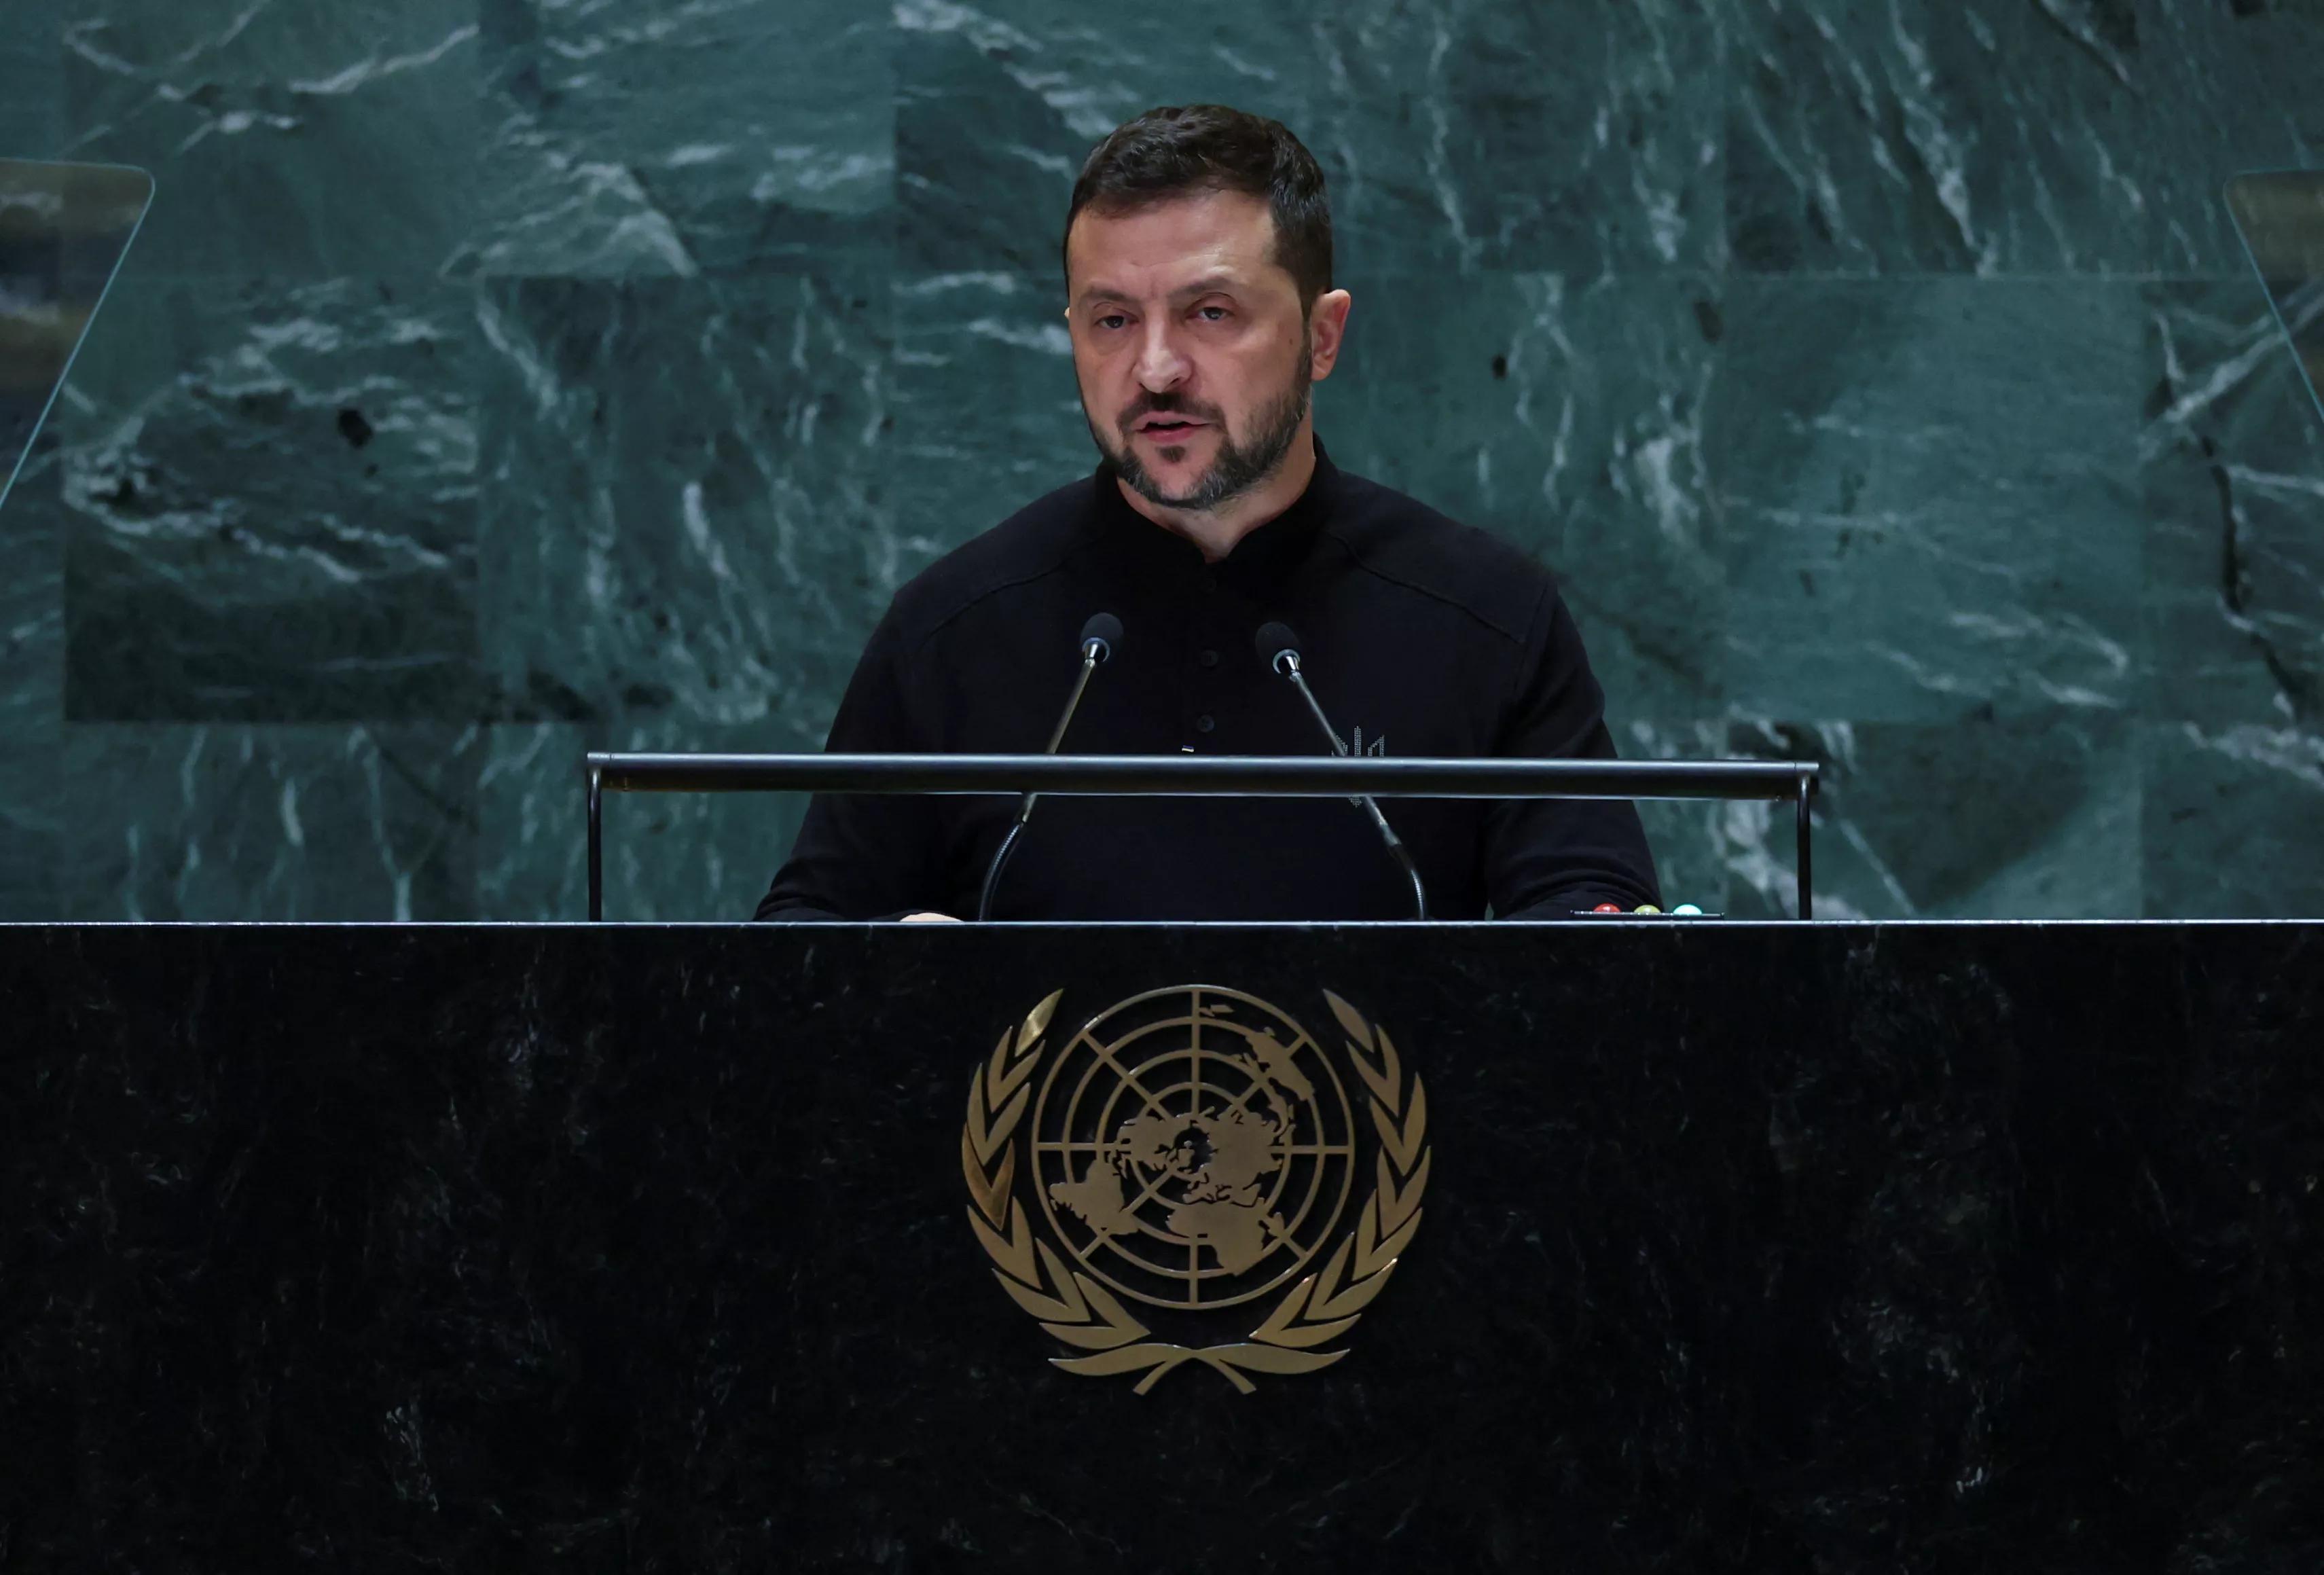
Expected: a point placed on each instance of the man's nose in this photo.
(1160, 365)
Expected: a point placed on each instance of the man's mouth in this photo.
(1168, 429)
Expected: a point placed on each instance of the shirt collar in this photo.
(1265, 555)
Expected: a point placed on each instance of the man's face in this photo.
(1193, 353)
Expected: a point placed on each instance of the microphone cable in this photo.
(1100, 635)
(1278, 648)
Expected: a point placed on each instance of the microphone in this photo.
(1100, 635)
(1278, 648)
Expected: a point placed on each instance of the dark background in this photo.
(627, 1249)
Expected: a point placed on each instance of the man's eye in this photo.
(1213, 314)
(1111, 320)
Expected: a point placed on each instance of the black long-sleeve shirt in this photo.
(1421, 636)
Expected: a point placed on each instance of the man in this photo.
(1198, 278)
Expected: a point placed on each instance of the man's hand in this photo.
(929, 918)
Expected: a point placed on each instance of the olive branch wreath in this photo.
(1075, 1308)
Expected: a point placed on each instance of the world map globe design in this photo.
(1193, 1148)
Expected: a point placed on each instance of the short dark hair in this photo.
(1183, 149)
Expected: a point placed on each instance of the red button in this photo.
(1607, 907)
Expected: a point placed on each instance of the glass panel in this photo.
(2282, 217)
(64, 229)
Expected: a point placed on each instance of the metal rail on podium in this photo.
(1204, 776)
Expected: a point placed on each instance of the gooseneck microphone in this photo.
(1100, 635)
(1278, 648)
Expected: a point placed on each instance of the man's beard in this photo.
(1238, 466)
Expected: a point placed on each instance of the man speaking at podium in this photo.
(1198, 279)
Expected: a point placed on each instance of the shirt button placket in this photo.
(1206, 656)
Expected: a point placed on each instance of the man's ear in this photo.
(1327, 331)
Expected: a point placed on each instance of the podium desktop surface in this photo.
(1732, 1247)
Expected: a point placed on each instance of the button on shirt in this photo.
(1421, 636)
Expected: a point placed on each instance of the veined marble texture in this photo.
(32, 117)
(1579, 137)
(1568, 417)
(639, 137)
(1931, 497)
(986, 416)
(2081, 135)
(32, 684)
(686, 507)
(295, 141)
(271, 493)
(193, 821)
(2232, 461)
(501, 379)
(668, 856)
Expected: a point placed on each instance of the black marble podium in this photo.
(1767, 1248)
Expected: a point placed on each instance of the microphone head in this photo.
(1274, 642)
(1104, 631)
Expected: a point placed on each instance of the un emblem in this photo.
(1194, 1151)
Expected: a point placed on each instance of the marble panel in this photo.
(682, 136)
(1990, 817)
(2233, 814)
(32, 593)
(2286, 43)
(988, 415)
(1581, 138)
(1939, 136)
(1568, 419)
(998, 106)
(2233, 466)
(676, 858)
(1444, 141)
(1693, 846)
(1930, 496)
(32, 687)
(236, 822)
(290, 142)
(687, 509)
(270, 496)
(32, 61)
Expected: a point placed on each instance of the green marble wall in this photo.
(498, 379)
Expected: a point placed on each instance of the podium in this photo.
(1737, 1246)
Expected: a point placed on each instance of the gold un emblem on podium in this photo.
(1193, 1153)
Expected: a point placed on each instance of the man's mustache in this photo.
(1169, 404)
